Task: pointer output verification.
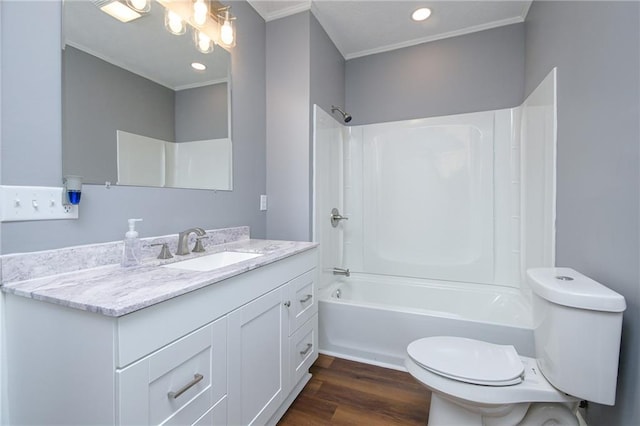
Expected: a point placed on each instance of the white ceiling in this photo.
(360, 28)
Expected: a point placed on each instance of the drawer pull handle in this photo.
(306, 298)
(306, 351)
(196, 379)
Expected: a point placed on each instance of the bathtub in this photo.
(372, 319)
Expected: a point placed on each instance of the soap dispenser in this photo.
(132, 248)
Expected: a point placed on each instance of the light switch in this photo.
(23, 203)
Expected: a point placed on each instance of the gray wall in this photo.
(100, 98)
(596, 47)
(327, 85)
(474, 72)
(327, 70)
(201, 113)
(31, 150)
(303, 68)
(288, 152)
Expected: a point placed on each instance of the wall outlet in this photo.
(263, 202)
(23, 203)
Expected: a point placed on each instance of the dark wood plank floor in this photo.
(344, 392)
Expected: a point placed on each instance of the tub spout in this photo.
(341, 271)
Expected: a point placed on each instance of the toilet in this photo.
(577, 326)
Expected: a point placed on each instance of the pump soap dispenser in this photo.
(132, 248)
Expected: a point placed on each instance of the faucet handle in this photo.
(198, 248)
(165, 253)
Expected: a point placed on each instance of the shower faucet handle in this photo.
(336, 217)
(341, 271)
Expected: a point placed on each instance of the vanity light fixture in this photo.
(421, 14)
(118, 10)
(211, 21)
(198, 66)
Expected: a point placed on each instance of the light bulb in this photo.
(174, 23)
(203, 42)
(200, 12)
(140, 5)
(226, 32)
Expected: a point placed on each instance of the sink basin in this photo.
(212, 261)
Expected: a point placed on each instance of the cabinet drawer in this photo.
(303, 350)
(177, 384)
(302, 298)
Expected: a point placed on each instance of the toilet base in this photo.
(443, 412)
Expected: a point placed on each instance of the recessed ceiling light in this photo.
(421, 14)
(198, 66)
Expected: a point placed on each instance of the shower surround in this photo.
(445, 214)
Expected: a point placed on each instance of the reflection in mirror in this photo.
(134, 110)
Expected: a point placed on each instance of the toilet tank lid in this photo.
(568, 287)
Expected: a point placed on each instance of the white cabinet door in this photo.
(258, 359)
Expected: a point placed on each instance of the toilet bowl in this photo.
(478, 383)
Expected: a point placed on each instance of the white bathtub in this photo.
(373, 318)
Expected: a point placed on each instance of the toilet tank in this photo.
(577, 325)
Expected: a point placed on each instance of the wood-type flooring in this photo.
(344, 392)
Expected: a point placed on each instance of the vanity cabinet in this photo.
(235, 352)
(272, 343)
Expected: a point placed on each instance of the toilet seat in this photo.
(534, 387)
(468, 360)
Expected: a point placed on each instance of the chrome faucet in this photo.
(183, 240)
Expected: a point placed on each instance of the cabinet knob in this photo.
(287, 303)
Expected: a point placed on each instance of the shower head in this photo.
(346, 117)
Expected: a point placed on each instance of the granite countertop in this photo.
(116, 291)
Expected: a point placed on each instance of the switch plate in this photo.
(263, 202)
(24, 203)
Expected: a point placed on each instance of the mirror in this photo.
(134, 110)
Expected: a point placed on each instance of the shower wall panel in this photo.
(328, 181)
(423, 199)
(428, 198)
